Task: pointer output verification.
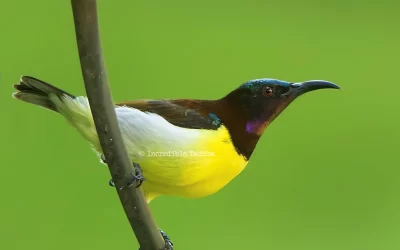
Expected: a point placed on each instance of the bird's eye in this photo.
(268, 91)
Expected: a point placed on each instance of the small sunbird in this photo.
(181, 147)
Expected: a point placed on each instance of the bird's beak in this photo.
(297, 89)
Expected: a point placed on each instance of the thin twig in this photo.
(101, 104)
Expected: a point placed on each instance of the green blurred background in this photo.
(324, 176)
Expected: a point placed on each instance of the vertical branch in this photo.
(103, 111)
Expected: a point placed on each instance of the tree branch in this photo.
(102, 107)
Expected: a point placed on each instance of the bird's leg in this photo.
(137, 178)
(168, 243)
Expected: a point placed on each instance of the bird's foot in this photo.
(168, 243)
(137, 178)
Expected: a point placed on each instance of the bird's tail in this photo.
(75, 109)
(37, 92)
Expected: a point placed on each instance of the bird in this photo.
(181, 147)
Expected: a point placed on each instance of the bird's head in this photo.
(262, 100)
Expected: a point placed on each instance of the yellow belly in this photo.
(201, 168)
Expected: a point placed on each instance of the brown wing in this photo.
(193, 114)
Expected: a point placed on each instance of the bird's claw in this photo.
(137, 178)
(168, 243)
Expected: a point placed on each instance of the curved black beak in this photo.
(304, 87)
